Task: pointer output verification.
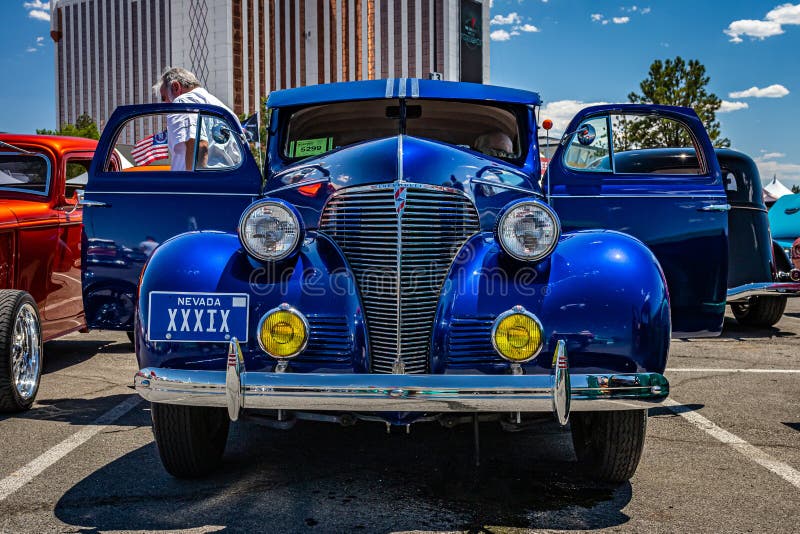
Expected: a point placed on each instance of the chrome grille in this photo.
(400, 258)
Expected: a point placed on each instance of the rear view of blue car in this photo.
(400, 261)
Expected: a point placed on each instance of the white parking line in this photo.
(785, 471)
(725, 370)
(25, 474)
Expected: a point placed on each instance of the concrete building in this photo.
(110, 52)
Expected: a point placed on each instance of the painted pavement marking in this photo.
(783, 470)
(727, 370)
(25, 474)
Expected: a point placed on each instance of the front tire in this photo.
(609, 444)
(190, 439)
(760, 311)
(20, 351)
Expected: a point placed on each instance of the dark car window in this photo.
(318, 129)
(27, 173)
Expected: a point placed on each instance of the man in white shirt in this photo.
(180, 86)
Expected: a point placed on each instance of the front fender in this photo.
(316, 281)
(601, 291)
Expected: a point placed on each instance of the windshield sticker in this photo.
(310, 147)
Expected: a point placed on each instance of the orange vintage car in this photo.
(40, 258)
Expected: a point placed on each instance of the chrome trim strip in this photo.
(484, 181)
(401, 88)
(389, 87)
(169, 193)
(764, 289)
(409, 392)
(665, 195)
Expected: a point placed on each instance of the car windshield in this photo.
(26, 173)
(315, 130)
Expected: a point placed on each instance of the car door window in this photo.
(25, 173)
(166, 141)
(653, 144)
(77, 174)
(588, 148)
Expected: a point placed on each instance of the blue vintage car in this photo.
(399, 260)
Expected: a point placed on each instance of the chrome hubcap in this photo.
(26, 352)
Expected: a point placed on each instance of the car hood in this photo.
(309, 183)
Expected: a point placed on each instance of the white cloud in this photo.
(500, 35)
(757, 29)
(785, 14)
(511, 18)
(773, 155)
(621, 20)
(773, 91)
(605, 22)
(527, 28)
(645, 11)
(562, 111)
(727, 107)
(39, 15)
(597, 17)
(772, 24)
(788, 173)
(36, 4)
(31, 49)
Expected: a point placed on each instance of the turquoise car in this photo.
(784, 221)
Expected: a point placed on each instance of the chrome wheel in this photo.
(26, 352)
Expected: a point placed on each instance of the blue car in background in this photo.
(395, 262)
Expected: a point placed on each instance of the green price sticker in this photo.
(310, 147)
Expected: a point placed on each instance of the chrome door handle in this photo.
(93, 204)
(715, 207)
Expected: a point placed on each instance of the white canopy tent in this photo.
(775, 190)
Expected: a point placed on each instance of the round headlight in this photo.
(283, 332)
(517, 335)
(528, 231)
(270, 230)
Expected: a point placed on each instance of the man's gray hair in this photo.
(186, 78)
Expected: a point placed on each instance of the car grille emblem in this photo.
(400, 197)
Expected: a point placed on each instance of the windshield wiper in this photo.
(9, 145)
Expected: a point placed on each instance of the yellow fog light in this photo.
(517, 335)
(283, 332)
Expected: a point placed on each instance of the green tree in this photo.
(796, 189)
(675, 82)
(83, 127)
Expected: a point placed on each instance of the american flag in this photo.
(151, 148)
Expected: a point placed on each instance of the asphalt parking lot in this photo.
(724, 455)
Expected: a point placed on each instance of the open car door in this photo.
(651, 172)
(133, 207)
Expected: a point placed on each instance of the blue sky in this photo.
(573, 52)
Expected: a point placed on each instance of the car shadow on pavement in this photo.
(334, 479)
(75, 411)
(732, 329)
(63, 353)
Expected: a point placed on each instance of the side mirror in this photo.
(220, 133)
(586, 134)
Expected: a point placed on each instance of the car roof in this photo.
(58, 143)
(399, 88)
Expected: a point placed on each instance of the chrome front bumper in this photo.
(764, 289)
(559, 393)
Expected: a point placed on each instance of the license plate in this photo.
(198, 317)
